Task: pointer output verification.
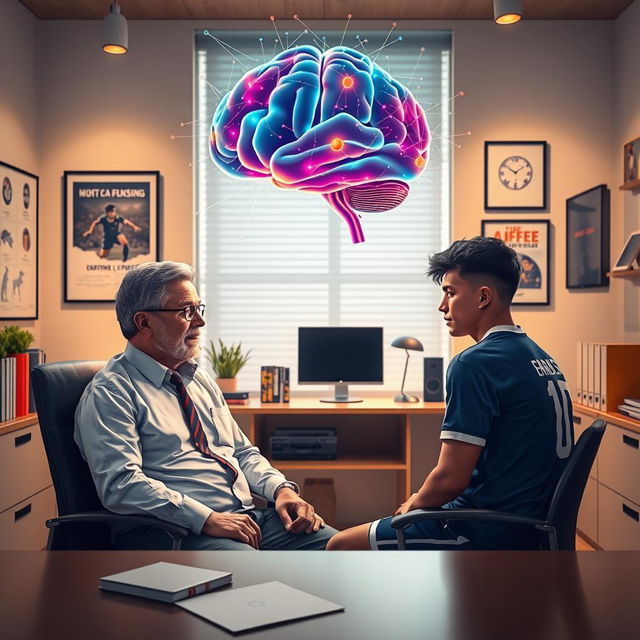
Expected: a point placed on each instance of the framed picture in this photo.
(111, 224)
(630, 253)
(631, 156)
(588, 238)
(530, 239)
(18, 244)
(515, 176)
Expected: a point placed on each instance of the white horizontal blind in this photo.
(271, 260)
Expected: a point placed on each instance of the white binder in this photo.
(590, 374)
(578, 385)
(585, 368)
(603, 377)
(596, 376)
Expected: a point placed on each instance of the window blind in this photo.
(271, 260)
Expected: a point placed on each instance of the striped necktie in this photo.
(198, 436)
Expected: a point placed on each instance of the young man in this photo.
(160, 440)
(112, 225)
(508, 428)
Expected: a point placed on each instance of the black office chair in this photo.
(560, 522)
(82, 521)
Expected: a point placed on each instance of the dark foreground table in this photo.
(391, 596)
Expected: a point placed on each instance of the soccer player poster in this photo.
(111, 224)
(530, 240)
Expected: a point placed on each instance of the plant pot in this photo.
(227, 385)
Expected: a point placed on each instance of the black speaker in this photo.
(433, 380)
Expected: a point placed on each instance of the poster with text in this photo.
(18, 244)
(111, 225)
(530, 240)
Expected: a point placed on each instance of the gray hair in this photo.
(145, 287)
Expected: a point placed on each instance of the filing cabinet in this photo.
(27, 497)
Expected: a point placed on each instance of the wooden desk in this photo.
(425, 594)
(373, 435)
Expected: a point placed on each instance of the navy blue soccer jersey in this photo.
(508, 396)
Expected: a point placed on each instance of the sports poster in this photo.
(111, 225)
(530, 240)
(18, 244)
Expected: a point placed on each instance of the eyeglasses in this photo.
(188, 312)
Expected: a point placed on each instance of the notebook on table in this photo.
(166, 581)
(260, 605)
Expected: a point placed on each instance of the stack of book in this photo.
(16, 397)
(630, 407)
(236, 397)
(274, 384)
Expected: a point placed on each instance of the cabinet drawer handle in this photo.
(25, 511)
(632, 442)
(577, 420)
(20, 440)
(632, 513)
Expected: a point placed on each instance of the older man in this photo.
(160, 440)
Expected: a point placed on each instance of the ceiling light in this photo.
(507, 11)
(115, 31)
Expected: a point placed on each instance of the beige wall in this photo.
(537, 80)
(19, 144)
(626, 120)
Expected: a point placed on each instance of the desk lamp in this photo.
(408, 344)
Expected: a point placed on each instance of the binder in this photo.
(590, 374)
(585, 362)
(603, 377)
(578, 386)
(596, 376)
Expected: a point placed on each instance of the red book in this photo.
(22, 384)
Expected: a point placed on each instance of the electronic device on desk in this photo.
(340, 356)
(300, 443)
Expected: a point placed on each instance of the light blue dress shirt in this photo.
(132, 432)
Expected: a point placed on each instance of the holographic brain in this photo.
(332, 122)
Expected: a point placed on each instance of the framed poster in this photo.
(530, 239)
(111, 224)
(588, 238)
(515, 176)
(630, 254)
(18, 244)
(631, 156)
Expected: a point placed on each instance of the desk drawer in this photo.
(22, 526)
(619, 462)
(580, 422)
(588, 514)
(23, 465)
(618, 522)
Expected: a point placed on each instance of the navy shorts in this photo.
(425, 535)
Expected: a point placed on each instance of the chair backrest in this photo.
(563, 510)
(57, 388)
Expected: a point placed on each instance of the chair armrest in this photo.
(175, 531)
(417, 515)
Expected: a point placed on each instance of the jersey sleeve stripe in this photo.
(462, 437)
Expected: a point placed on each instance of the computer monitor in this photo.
(340, 356)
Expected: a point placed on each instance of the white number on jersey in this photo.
(559, 392)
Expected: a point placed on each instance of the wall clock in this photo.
(515, 175)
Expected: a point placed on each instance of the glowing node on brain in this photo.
(377, 125)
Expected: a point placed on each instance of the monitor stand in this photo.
(341, 395)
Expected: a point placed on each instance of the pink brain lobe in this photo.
(333, 123)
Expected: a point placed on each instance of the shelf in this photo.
(344, 463)
(18, 423)
(627, 186)
(627, 273)
(610, 416)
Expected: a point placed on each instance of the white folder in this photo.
(590, 374)
(585, 368)
(578, 384)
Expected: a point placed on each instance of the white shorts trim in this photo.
(462, 437)
(373, 543)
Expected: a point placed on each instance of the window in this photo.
(270, 260)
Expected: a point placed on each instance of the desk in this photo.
(373, 435)
(424, 595)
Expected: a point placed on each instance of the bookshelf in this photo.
(627, 273)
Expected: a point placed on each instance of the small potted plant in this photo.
(226, 362)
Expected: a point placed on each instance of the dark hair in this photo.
(479, 256)
(110, 207)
